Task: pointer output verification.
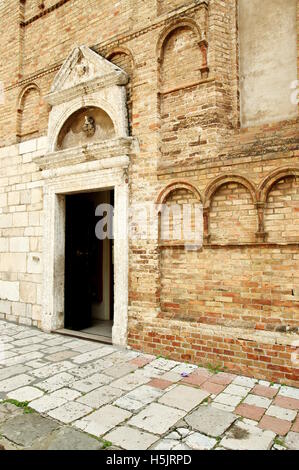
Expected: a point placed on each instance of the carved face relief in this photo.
(81, 69)
(89, 126)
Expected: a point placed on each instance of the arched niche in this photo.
(28, 109)
(180, 214)
(230, 208)
(281, 209)
(85, 126)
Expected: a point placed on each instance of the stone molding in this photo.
(91, 86)
(109, 151)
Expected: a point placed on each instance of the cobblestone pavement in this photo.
(57, 392)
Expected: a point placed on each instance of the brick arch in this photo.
(211, 192)
(179, 184)
(120, 50)
(267, 184)
(182, 66)
(220, 181)
(25, 92)
(278, 194)
(177, 24)
(183, 23)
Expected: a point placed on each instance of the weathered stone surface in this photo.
(8, 372)
(229, 400)
(210, 420)
(69, 396)
(144, 394)
(25, 429)
(15, 382)
(183, 397)
(198, 441)
(156, 418)
(244, 381)
(61, 356)
(56, 382)
(68, 439)
(54, 400)
(164, 364)
(130, 381)
(128, 404)
(292, 440)
(101, 396)
(70, 412)
(244, 437)
(289, 392)
(237, 390)
(7, 411)
(103, 420)
(52, 369)
(261, 402)
(91, 383)
(46, 403)
(130, 439)
(166, 444)
(91, 355)
(86, 370)
(281, 413)
(120, 371)
(25, 394)
(223, 407)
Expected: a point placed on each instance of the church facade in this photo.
(149, 177)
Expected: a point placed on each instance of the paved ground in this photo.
(59, 393)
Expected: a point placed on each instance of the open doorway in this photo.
(89, 269)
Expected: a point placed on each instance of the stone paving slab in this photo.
(292, 441)
(243, 436)
(183, 397)
(25, 394)
(157, 418)
(25, 429)
(100, 396)
(210, 420)
(66, 393)
(130, 438)
(70, 412)
(103, 420)
(68, 439)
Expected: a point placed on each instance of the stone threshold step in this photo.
(81, 335)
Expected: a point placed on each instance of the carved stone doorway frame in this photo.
(85, 79)
(54, 245)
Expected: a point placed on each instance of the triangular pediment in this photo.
(84, 65)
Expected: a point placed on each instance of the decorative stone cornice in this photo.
(112, 153)
(84, 72)
(88, 87)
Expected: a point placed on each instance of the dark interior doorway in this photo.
(89, 270)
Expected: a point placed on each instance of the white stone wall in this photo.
(268, 60)
(21, 213)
